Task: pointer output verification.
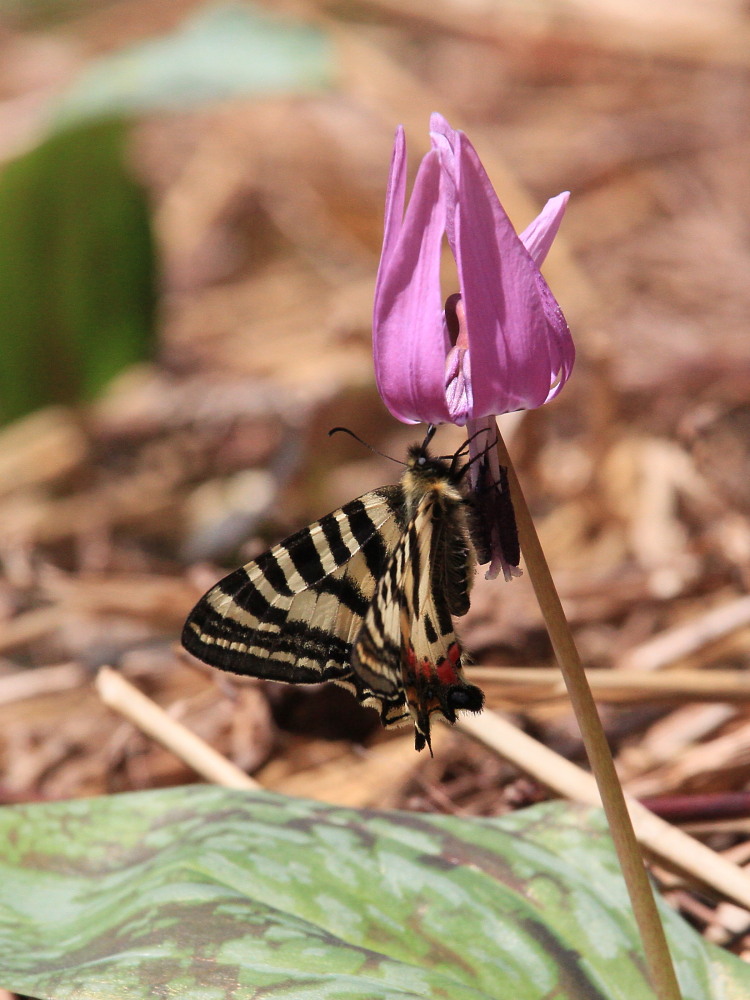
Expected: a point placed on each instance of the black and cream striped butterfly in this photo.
(363, 597)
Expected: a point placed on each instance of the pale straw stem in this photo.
(121, 696)
(658, 959)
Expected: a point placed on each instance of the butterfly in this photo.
(363, 597)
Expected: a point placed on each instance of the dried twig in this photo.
(686, 640)
(31, 626)
(668, 738)
(614, 685)
(672, 846)
(729, 752)
(120, 695)
(40, 681)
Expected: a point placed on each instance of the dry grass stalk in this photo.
(689, 639)
(31, 626)
(668, 738)
(42, 681)
(675, 848)
(700, 766)
(522, 683)
(121, 696)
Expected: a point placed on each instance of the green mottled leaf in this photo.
(76, 269)
(207, 893)
(222, 52)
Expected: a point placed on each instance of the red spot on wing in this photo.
(447, 668)
(447, 673)
(425, 668)
(414, 667)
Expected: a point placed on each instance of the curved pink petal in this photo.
(517, 335)
(562, 351)
(409, 340)
(444, 140)
(395, 194)
(439, 126)
(538, 236)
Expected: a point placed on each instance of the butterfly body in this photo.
(363, 597)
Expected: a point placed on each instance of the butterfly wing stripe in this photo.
(238, 597)
(296, 657)
(306, 555)
(429, 628)
(347, 591)
(431, 612)
(260, 585)
(392, 712)
(435, 591)
(453, 562)
(219, 640)
(251, 620)
(268, 569)
(331, 529)
(377, 551)
(359, 523)
(412, 562)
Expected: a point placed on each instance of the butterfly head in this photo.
(450, 468)
(427, 470)
(423, 465)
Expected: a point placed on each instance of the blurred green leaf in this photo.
(222, 52)
(207, 893)
(76, 269)
(41, 14)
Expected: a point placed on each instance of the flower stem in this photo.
(658, 959)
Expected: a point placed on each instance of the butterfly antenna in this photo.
(460, 473)
(465, 446)
(479, 457)
(345, 430)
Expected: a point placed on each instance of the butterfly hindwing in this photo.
(408, 646)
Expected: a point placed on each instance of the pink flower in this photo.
(502, 342)
(499, 344)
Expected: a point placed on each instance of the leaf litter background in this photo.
(116, 516)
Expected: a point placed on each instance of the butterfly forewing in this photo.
(363, 597)
(292, 615)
